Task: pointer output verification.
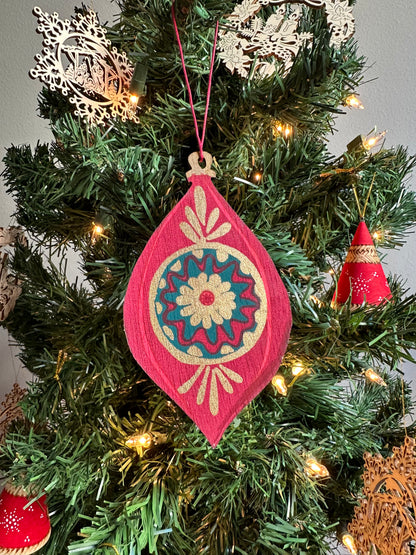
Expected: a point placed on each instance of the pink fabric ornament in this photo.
(362, 275)
(23, 529)
(206, 314)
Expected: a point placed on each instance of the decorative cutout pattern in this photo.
(385, 518)
(273, 44)
(10, 410)
(10, 286)
(78, 61)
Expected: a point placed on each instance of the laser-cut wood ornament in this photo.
(10, 286)
(385, 518)
(272, 45)
(206, 314)
(77, 59)
(10, 409)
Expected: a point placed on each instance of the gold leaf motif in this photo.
(223, 374)
(193, 220)
(213, 394)
(189, 232)
(184, 388)
(213, 217)
(200, 204)
(231, 374)
(203, 387)
(220, 231)
(223, 380)
(226, 349)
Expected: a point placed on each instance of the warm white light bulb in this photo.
(313, 468)
(139, 440)
(374, 377)
(349, 543)
(97, 229)
(298, 369)
(279, 383)
(354, 102)
(371, 142)
(283, 129)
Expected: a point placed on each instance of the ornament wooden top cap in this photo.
(196, 169)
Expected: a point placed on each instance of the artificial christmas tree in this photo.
(125, 470)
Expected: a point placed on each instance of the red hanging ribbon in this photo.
(200, 139)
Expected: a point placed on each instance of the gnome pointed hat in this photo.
(362, 276)
(24, 528)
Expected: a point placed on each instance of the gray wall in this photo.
(385, 33)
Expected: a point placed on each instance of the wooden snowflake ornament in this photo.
(78, 60)
(10, 286)
(206, 314)
(273, 44)
(10, 409)
(385, 518)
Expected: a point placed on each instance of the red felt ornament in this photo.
(206, 314)
(362, 277)
(24, 527)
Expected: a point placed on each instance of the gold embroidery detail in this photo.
(365, 254)
(260, 315)
(200, 204)
(168, 332)
(192, 228)
(221, 307)
(220, 374)
(213, 217)
(195, 351)
(177, 267)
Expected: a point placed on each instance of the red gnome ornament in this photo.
(23, 529)
(362, 276)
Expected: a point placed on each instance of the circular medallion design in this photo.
(207, 305)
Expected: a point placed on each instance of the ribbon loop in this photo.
(200, 138)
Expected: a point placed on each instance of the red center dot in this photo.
(207, 298)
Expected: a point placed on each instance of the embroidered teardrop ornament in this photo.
(206, 314)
